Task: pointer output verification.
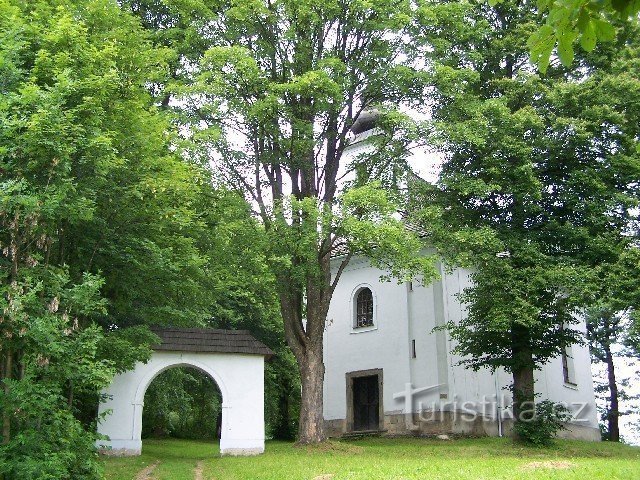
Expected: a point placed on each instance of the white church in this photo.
(388, 371)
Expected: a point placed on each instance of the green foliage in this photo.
(182, 403)
(539, 181)
(535, 294)
(585, 21)
(633, 335)
(56, 358)
(270, 105)
(124, 347)
(179, 29)
(91, 203)
(55, 446)
(367, 223)
(547, 419)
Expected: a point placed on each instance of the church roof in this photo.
(367, 120)
(209, 340)
(343, 249)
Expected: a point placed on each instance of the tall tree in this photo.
(606, 334)
(275, 102)
(611, 333)
(538, 180)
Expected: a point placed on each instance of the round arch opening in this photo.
(182, 402)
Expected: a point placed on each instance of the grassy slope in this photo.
(486, 458)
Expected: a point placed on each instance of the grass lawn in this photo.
(378, 458)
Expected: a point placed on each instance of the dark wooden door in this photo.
(366, 403)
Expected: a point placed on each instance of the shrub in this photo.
(56, 448)
(541, 428)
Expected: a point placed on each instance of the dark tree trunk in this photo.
(613, 414)
(6, 415)
(523, 380)
(523, 393)
(283, 428)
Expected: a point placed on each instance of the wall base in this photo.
(451, 423)
(242, 452)
(580, 432)
(241, 447)
(132, 448)
(120, 448)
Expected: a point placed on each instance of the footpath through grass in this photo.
(379, 458)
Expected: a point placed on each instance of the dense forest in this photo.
(174, 162)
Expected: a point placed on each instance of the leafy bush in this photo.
(541, 428)
(57, 448)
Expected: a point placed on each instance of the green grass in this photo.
(378, 458)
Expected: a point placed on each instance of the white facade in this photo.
(402, 348)
(240, 379)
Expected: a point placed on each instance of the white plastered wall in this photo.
(239, 377)
(404, 313)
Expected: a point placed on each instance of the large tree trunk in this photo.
(308, 352)
(306, 342)
(523, 380)
(306, 345)
(311, 362)
(613, 414)
(523, 394)
(311, 427)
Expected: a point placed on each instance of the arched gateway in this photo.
(232, 358)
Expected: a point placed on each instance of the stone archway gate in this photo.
(232, 358)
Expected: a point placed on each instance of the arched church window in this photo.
(364, 308)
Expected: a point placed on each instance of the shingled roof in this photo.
(209, 340)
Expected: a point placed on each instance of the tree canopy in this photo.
(105, 228)
(539, 181)
(272, 109)
(586, 22)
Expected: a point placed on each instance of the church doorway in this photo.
(365, 410)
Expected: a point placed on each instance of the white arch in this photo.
(240, 378)
(151, 376)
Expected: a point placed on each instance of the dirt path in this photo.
(197, 472)
(145, 473)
